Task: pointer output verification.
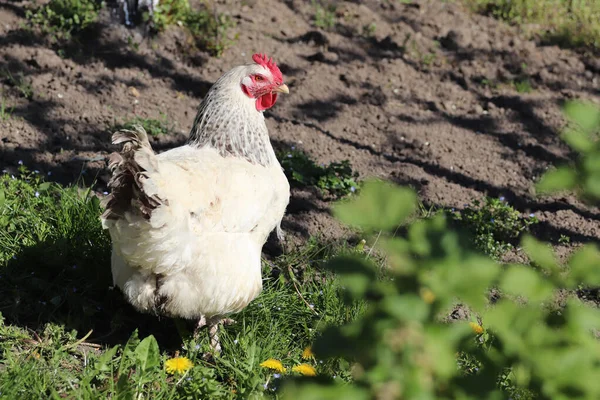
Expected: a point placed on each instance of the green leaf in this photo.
(379, 206)
(447, 280)
(124, 389)
(540, 253)
(578, 140)
(523, 281)
(585, 266)
(441, 346)
(405, 307)
(586, 115)
(592, 185)
(147, 354)
(351, 264)
(2, 198)
(591, 163)
(44, 186)
(103, 362)
(355, 274)
(583, 317)
(95, 202)
(562, 178)
(128, 351)
(295, 389)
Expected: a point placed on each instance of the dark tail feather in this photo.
(126, 184)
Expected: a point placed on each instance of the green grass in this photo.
(154, 127)
(22, 85)
(5, 111)
(568, 23)
(65, 333)
(337, 179)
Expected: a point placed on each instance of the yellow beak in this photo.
(282, 89)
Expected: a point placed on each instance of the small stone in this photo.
(134, 92)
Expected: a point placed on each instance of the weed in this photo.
(207, 28)
(337, 178)
(494, 224)
(369, 29)
(132, 43)
(567, 23)
(20, 83)
(61, 19)
(522, 85)
(428, 58)
(324, 16)
(168, 12)
(154, 127)
(210, 30)
(564, 239)
(489, 83)
(5, 112)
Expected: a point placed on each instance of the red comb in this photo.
(268, 63)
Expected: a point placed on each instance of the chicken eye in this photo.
(258, 78)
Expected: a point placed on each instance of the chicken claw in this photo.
(213, 330)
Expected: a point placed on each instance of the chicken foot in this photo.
(213, 330)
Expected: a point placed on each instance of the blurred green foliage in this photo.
(63, 18)
(583, 136)
(401, 349)
(208, 29)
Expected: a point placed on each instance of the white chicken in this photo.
(188, 225)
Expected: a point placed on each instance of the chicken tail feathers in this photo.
(130, 168)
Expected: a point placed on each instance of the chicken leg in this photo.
(213, 330)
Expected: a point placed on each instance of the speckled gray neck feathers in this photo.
(228, 121)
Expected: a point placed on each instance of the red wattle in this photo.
(266, 101)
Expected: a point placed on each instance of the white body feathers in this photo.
(198, 253)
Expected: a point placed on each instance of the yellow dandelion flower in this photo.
(427, 295)
(307, 353)
(178, 365)
(273, 364)
(305, 369)
(478, 329)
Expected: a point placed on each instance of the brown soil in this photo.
(425, 99)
